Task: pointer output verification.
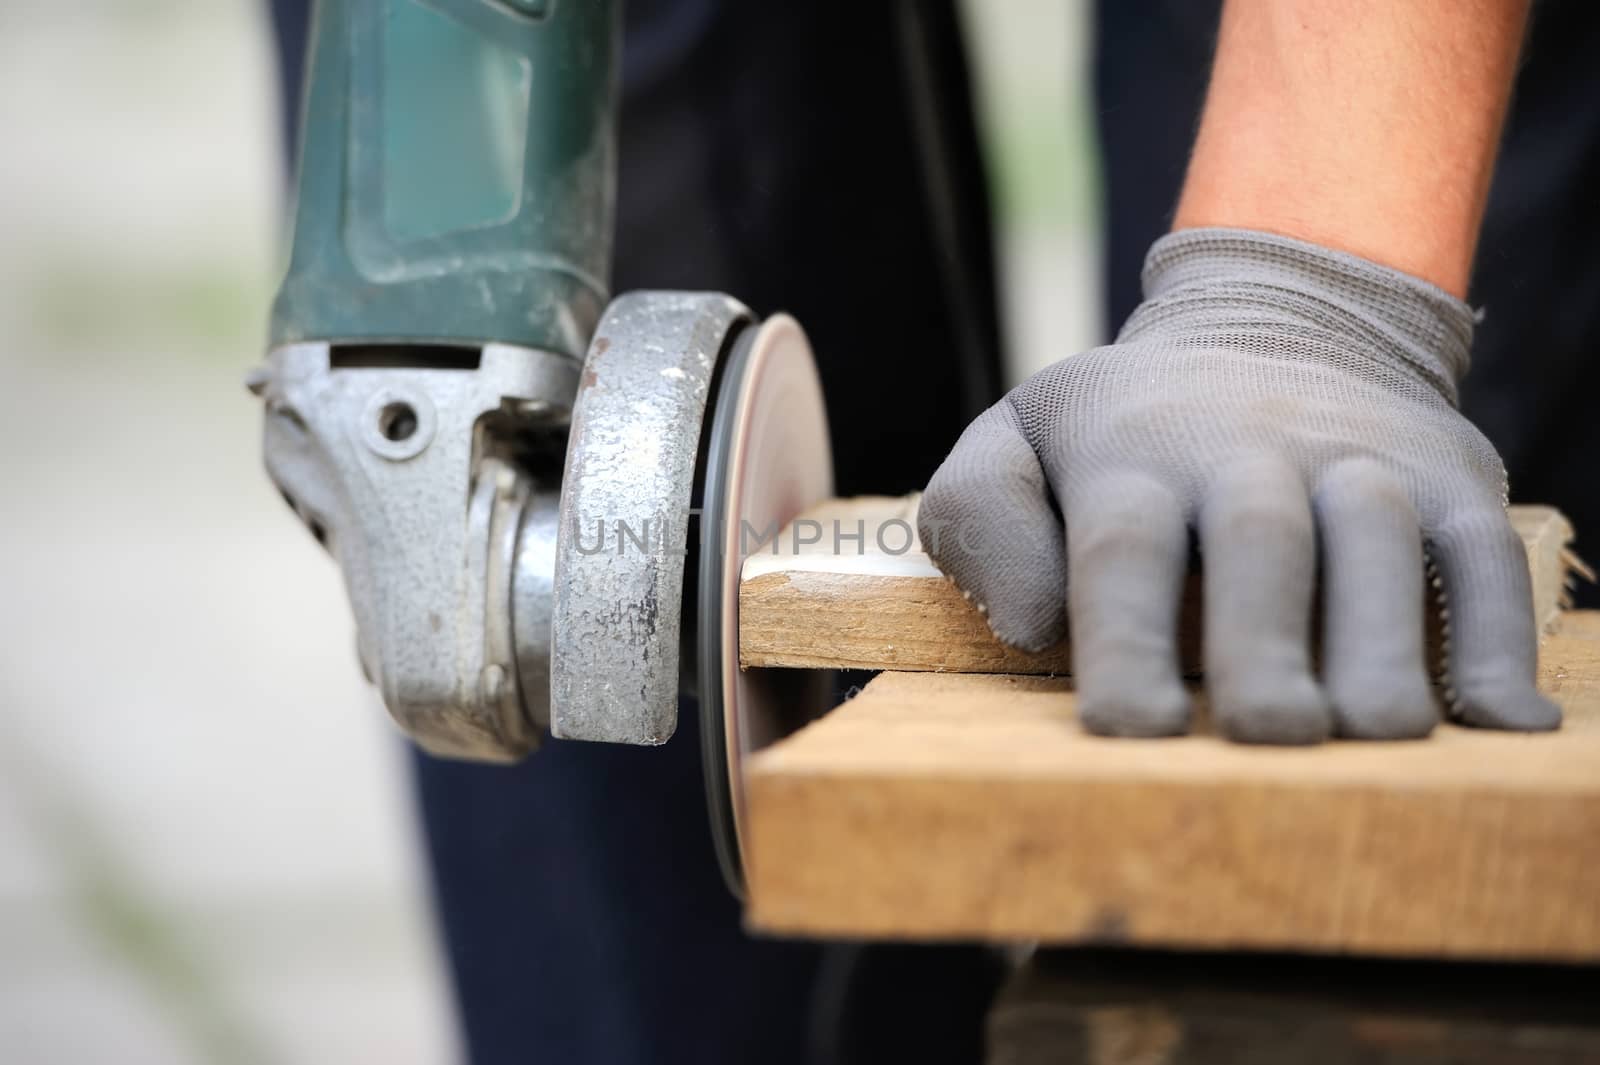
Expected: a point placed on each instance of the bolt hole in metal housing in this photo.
(397, 421)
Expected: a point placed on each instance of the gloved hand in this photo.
(1287, 402)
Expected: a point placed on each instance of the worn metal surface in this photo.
(414, 478)
(625, 510)
(533, 600)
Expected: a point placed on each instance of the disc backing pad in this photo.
(767, 459)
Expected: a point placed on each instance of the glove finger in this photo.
(1491, 646)
(1372, 634)
(1259, 551)
(1127, 552)
(987, 521)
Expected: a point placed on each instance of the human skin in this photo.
(1367, 126)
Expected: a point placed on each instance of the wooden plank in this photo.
(811, 599)
(934, 806)
(1140, 1008)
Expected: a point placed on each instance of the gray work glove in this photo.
(1287, 402)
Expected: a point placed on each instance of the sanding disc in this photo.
(768, 458)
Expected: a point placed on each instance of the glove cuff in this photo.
(1205, 281)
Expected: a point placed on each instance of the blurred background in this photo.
(207, 851)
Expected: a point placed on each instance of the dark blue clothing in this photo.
(585, 918)
(822, 161)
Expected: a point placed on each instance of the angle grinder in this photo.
(515, 530)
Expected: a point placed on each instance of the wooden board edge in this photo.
(796, 612)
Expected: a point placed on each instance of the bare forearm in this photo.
(1369, 126)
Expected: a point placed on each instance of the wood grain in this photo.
(817, 596)
(939, 805)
